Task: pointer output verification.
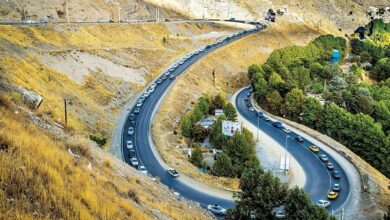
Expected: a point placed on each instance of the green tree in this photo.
(312, 111)
(381, 70)
(275, 80)
(204, 104)
(240, 151)
(294, 102)
(274, 101)
(196, 114)
(260, 90)
(298, 206)
(196, 157)
(198, 133)
(218, 102)
(316, 70)
(382, 115)
(186, 125)
(260, 194)
(230, 112)
(217, 139)
(223, 166)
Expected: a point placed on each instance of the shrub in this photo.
(101, 141)
(80, 147)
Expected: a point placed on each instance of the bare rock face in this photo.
(32, 99)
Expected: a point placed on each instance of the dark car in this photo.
(336, 187)
(277, 124)
(329, 165)
(336, 174)
(260, 114)
(248, 105)
(132, 116)
(299, 139)
(137, 110)
(132, 122)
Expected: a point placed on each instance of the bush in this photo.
(101, 141)
(80, 147)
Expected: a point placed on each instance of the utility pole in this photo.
(67, 11)
(285, 156)
(119, 13)
(257, 129)
(214, 77)
(66, 112)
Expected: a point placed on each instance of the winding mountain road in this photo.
(319, 179)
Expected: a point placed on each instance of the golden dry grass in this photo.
(39, 179)
(93, 104)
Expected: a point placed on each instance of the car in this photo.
(260, 114)
(181, 62)
(323, 203)
(277, 124)
(173, 172)
(168, 72)
(130, 131)
(280, 214)
(323, 158)
(251, 109)
(299, 139)
(171, 76)
(332, 195)
(266, 118)
(132, 122)
(329, 165)
(141, 99)
(178, 195)
(159, 81)
(248, 105)
(246, 99)
(248, 94)
(137, 110)
(175, 65)
(153, 85)
(131, 153)
(164, 77)
(151, 89)
(336, 187)
(336, 174)
(286, 130)
(132, 116)
(216, 209)
(146, 94)
(134, 162)
(314, 149)
(139, 104)
(142, 169)
(129, 145)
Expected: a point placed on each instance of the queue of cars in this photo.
(168, 74)
(335, 190)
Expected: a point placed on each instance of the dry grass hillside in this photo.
(230, 64)
(40, 179)
(97, 68)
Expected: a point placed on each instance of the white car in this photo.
(142, 169)
(216, 209)
(173, 172)
(134, 162)
(139, 104)
(287, 130)
(129, 145)
(323, 203)
(146, 94)
(151, 89)
(153, 85)
(181, 62)
(251, 109)
(130, 131)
